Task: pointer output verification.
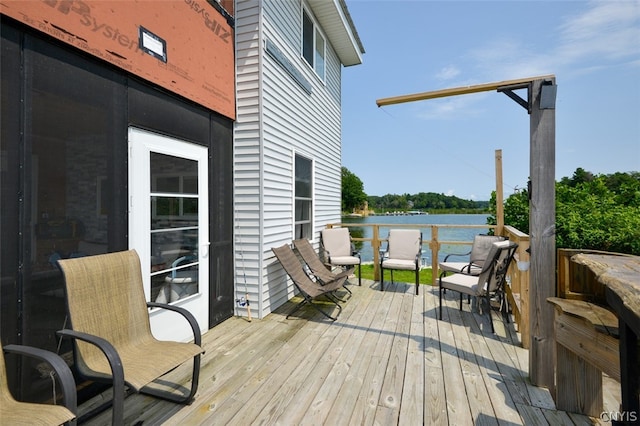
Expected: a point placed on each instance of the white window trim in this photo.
(293, 195)
(316, 30)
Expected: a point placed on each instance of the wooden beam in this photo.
(542, 236)
(443, 93)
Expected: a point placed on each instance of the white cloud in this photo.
(608, 30)
(603, 35)
(448, 72)
(452, 107)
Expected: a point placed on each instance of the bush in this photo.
(592, 212)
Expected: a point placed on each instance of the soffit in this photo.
(333, 16)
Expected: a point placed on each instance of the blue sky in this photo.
(448, 145)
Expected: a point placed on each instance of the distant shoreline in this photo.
(418, 212)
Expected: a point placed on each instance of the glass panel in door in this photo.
(174, 227)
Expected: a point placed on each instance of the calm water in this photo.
(444, 234)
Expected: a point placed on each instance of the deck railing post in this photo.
(375, 245)
(434, 245)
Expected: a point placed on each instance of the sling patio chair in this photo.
(339, 250)
(110, 326)
(479, 252)
(13, 412)
(404, 249)
(319, 269)
(489, 283)
(308, 289)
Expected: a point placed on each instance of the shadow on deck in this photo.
(386, 360)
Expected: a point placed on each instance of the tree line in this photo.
(354, 197)
(424, 201)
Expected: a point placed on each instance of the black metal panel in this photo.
(155, 110)
(221, 223)
(10, 90)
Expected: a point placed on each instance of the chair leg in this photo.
(381, 278)
(442, 274)
(488, 297)
(175, 398)
(417, 279)
(460, 301)
(360, 273)
(309, 300)
(440, 292)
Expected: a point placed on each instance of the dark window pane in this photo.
(307, 38)
(173, 175)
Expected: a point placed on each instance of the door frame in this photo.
(141, 144)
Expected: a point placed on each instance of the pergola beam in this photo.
(520, 83)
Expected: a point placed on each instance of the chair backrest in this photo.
(336, 241)
(481, 247)
(310, 257)
(293, 267)
(495, 267)
(105, 297)
(404, 243)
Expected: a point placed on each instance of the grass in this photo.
(402, 276)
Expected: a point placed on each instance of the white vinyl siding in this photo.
(277, 120)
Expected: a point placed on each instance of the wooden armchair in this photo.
(112, 333)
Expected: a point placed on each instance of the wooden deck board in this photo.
(386, 360)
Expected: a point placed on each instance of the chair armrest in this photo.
(62, 370)
(326, 254)
(197, 336)
(115, 363)
(455, 254)
(383, 254)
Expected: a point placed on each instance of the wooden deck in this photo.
(387, 360)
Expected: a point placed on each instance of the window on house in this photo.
(313, 45)
(303, 198)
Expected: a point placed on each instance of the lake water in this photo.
(444, 234)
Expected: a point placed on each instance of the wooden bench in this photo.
(587, 345)
(587, 335)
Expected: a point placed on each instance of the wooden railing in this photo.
(518, 291)
(518, 276)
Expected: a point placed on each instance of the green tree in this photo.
(353, 195)
(600, 212)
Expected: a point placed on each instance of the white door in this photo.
(168, 227)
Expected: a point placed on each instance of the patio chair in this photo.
(111, 329)
(339, 250)
(308, 289)
(13, 412)
(317, 267)
(404, 249)
(477, 255)
(489, 283)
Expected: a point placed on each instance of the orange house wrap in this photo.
(184, 46)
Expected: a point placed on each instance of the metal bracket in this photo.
(509, 91)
